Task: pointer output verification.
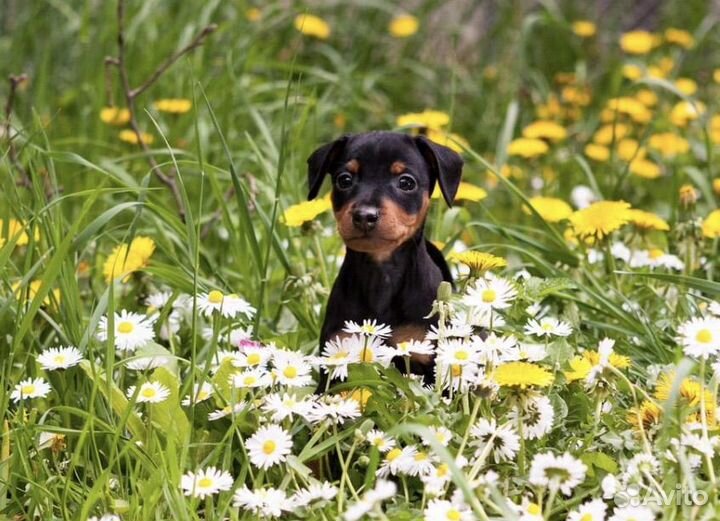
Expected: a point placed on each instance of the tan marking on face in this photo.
(397, 168)
(352, 166)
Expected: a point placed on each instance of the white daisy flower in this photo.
(291, 369)
(228, 410)
(315, 493)
(453, 330)
(370, 350)
(383, 490)
(537, 417)
(241, 337)
(582, 196)
(593, 510)
(229, 306)
(457, 352)
(442, 509)
(251, 379)
(368, 328)
(334, 408)
(700, 337)
(440, 434)
(396, 461)
(132, 330)
(419, 464)
(656, 259)
(548, 326)
(642, 463)
(143, 363)
(200, 393)
(59, 358)
(714, 308)
(465, 321)
(501, 441)
(379, 439)
(263, 502)
(631, 513)
(414, 347)
(158, 300)
(205, 482)
(221, 355)
(270, 445)
(336, 356)
(531, 352)
(435, 481)
(562, 472)
(105, 517)
(529, 511)
(256, 356)
(495, 349)
(30, 388)
(490, 293)
(149, 392)
(457, 377)
(286, 406)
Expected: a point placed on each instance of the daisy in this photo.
(150, 392)
(642, 463)
(380, 440)
(269, 446)
(383, 490)
(435, 481)
(132, 330)
(631, 513)
(158, 300)
(700, 337)
(251, 379)
(223, 355)
(442, 435)
(537, 417)
(548, 326)
(414, 347)
(562, 472)
(253, 356)
(335, 408)
(336, 356)
(502, 441)
(465, 321)
(494, 349)
(419, 464)
(456, 329)
(396, 461)
(286, 406)
(59, 358)
(593, 510)
(291, 369)
(229, 306)
(368, 328)
(143, 363)
(490, 293)
(228, 410)
(205, 482)
(30, 388)
(441, 509)
(457, 352)
(457, 377)
(531, 352)
(105, 517)
(200, 393)
(263, 502)
(370, 350)
(317, 492)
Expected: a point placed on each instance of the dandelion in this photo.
(501, 440)
(647, 221)
(637, 42)
(466, 192)
(115, 116)
(610, 133)
(263, 502)
(311, 25)
(527, 147)
(129, 136)
(403, 26)
(448, 139)
(522, 375)
(298, 214)
(30, 388)
(59, 358)
(644, 417)
(711, 225)
(173, 105)
(644, 168)
(478, 262)
(557, 472)
(17, 230)
(668, 144)
(149, 392)
(600, 219)
(229, 306)
(686, 111)
(132, 330)
(128, 258)
(596, 152)
(679, 37)
(584, 28)
(544, 129)
(547, 327)
(269, 446)
(205, 482)
(551, 209)
(425, 119)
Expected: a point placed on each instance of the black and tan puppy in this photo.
(382, 183)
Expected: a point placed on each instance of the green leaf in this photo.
(168, 413)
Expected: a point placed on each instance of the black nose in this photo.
(365, 218)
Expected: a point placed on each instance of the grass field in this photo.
(162, 279)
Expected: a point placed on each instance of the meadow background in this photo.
(214, 188)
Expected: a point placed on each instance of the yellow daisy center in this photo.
(455, 370)
(148, 392)
(534, 509)
(461, 355)
(546, 326)
(379, 442)
(290, 372)
(203, 395)
(269, 447)
(125, 327)
(393, 454)
(59, 359)
(587, 517)
(368, 355)
(249, 380)
(215, 297)
(453, 515)
(28, 389)
(442, 470)
(205, 483)
(421, 456)
(704, 336)
(489, 295)
(655, 253)
(253, 359)
(339, 356)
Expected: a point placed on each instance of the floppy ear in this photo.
(445, 166)
(319, 163)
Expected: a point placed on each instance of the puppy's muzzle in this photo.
(365, 218)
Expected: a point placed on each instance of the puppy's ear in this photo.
(320, 162)
(445, 166)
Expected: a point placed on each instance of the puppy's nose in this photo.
(365, 218)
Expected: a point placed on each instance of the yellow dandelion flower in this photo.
(450, 140)
(582, 365)
(361, 395)
(253, 14)
(551, 209)
(477, 261)
(403, 25)
(711, 225)
(629, 149)
(597, 152)
(129, 136)
(688, 195)
(679, 37)
(644, 168)
(647, 97)
(115, 116)
(550, 109)
(668, 144)
(691, 393)
(576, 95)
(630, 106)
(647, 415)
(686, 86)
(647, 221)
(466, 192)
(425, 119)
(522, 375)
(716, 185)
(544, 129)
(565, 78)
(715, 129)
(684, 112)
(716, 75)
(637, 42)
(600, 219)
(584, 28)
(126, 259)
(311, 25)
(298, 214)
(528, 148)
(610, 133)
(173, 106)
(32, 290)
(632, 71)
(17, 228)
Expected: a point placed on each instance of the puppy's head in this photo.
(382, 183)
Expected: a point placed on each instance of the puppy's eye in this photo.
(344, 181)
(407, 183)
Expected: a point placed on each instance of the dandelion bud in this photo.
(688, 195)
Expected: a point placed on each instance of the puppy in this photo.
(381, 187)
